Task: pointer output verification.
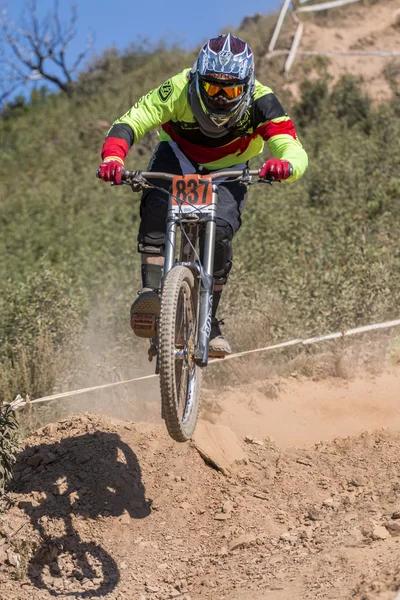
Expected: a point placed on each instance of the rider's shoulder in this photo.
(181, 79)
(261, 90)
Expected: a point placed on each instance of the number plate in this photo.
(192, 193)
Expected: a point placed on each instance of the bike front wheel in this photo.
(180, 377)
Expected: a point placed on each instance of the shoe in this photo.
(144, 313)
(219, 346)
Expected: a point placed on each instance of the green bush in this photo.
(8, 444)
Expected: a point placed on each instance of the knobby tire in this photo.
(179, 379)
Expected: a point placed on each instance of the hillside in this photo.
(363, 26)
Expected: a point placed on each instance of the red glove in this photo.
(111, 170)
(276, 169)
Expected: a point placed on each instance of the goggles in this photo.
(232, 91)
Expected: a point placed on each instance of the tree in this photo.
(36, 50)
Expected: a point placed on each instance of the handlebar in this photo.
(139, 180)
(137, 175)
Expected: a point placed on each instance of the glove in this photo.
(276, 169)
(111, 170)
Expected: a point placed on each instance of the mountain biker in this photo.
(213, 116)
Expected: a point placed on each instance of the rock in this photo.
(227, 507)
(218, 446)
(14, 559)
(222, 516)
(393, 527)
(125, 518)
(314, 514)
(240, 542)
(152, 589)
(249, 439)
(379, 532)
(186, 506)
(396, 514)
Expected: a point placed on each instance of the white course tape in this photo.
(19, 402)
(325, 5)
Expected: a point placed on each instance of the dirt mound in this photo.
(299, 411)
(117, 510)
(362, 27)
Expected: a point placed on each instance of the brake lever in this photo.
(268, 181)
(137, 182)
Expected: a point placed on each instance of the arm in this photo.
(278, 130)
(150, 111)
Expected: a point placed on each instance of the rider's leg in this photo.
(232, 197)
(151, 236)
(219, 345)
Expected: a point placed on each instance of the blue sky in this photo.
(119, 22)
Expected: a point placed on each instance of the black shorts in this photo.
(154, 204)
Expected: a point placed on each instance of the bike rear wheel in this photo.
(180, 377)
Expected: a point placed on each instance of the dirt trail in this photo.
(298, 411)
(374, 27)
(115, 509)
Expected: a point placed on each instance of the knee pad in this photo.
(222, 260)
(150, 246)
(153, 213)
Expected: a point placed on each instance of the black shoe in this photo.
(144, 313)
(219, 346)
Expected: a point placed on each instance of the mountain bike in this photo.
(181, 343)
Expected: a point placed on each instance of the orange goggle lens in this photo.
(232, 91)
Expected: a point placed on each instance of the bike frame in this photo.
(191, 224)
(187, 257)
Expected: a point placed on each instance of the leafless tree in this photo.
(34, 49)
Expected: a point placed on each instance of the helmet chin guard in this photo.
(226, 62)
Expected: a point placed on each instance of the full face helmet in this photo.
(222, 82)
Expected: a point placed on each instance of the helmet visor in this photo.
(233, 91)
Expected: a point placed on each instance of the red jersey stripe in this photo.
(114, 146)
(204, 155)
(268, 130)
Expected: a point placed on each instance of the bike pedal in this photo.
(144, 326)
(219, 355)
